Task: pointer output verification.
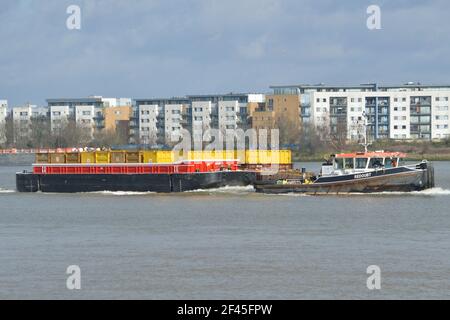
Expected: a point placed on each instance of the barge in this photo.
(143, 171)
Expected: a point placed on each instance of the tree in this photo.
(289, 129)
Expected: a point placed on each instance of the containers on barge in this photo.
(154, 170)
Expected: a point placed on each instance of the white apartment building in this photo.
(3, 115)
(148, 120)
(201, 119)
(228, 115)
(84, 117)
(59, 116)
(172, 122)
(22, 117)
(193, 113)
(410, 111)
(3, 110)
(115, 102)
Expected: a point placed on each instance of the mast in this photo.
(366, 142)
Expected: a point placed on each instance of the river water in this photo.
(224, 244)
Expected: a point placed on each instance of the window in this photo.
(348, 164)
(395, 99)
(352, 99)
(339, 164)
(376, 163)
(436, 99)
(403, 127)
(395, 108)
(395, 127)
(403, 99)
(324, 100)
(360, 163)
(359, 99)
(318, 100)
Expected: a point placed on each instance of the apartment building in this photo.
(3, 115)
(117, 118)
(164, 118)
(409, 111)
(89, 112)
(159, 120)
(23, 116)
(280, 109)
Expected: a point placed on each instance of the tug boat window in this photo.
(391, 163)
(360, 163)
(349, 164)
(339, 163)
(376, 163)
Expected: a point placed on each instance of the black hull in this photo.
(71, 183)
(395, 180)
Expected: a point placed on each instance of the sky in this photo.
(165, 48)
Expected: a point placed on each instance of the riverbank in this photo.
(432, 151)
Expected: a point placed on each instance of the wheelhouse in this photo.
(363, 161)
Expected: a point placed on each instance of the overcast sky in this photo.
(159, 48)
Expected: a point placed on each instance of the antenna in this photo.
(366, 143)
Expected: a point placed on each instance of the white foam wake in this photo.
(122, 193)
(227, 189)
(6, 190)
(426, 192)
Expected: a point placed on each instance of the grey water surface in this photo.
(228, 243)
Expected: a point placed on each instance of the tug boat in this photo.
(361, 172)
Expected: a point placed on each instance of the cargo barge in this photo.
(145, 171)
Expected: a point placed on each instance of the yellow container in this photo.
(165, 156)
(87, 157)
(72, 157)
(209, 155)
(241, 156)
(267, 157)
(251, 157)
(117, 157)
(42, 158)
(195, 155)
(132, 157)
(102, 157)
(148, 156)
(57, 158)
(228, 155)
(285, 156)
